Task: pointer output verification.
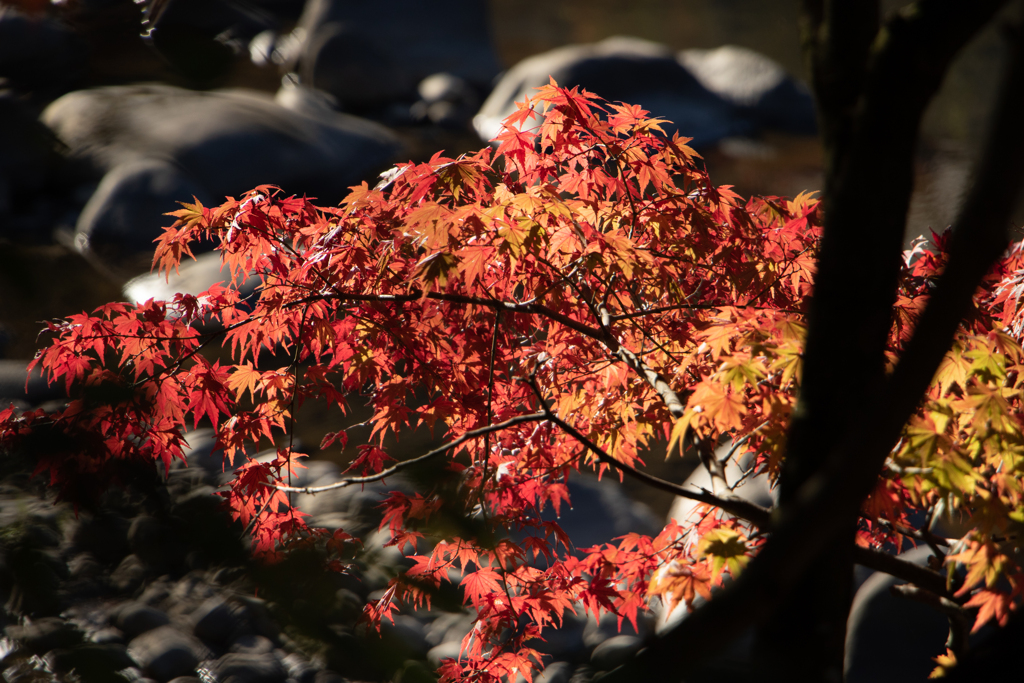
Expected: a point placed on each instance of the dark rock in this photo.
(878, 619)
(201, 38)
(565, 642)
(219, 621)
(620, 69)
(226, 575)
(450, 649)
(188, 594)
(446, 100)
(449, 627)
(596, 632)
(30, 168)
(165, 653)
(192, 277)
(135, 618)
(129, 575)
(126, 211)
(555, 672)
(329, 677)
(252, 644)
(582, 674)
(408, 633)
(90, 661)
(156, 592)
(29, 519)
(84, 566)
(247, 668)
(105, 536)
(367, 55)
(182, 481)
(199, 454)
(147, 539)
(299, 668)
(33, 572)
(351, 508)
(43, 635)
(353, 67)
(38, 55)
(18, 383)
(297, 97)
(258, 616)
(107, 636)
(614, 652)
(600, 511)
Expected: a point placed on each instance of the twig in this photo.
(675, 405)
(923, 535)
(706, 453)
(490, 395)
(892, 565)
(752, 512)
(472, 434)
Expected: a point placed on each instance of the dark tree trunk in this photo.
(872, 82)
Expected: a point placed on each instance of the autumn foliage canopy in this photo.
(562, 303)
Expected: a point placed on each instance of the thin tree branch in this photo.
(757, 515)
(926, 578)
(715, 467)
(472, 434)
(676, 406)
(416, 295)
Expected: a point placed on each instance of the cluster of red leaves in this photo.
(559, 303)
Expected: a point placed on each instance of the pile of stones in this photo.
(155, 583)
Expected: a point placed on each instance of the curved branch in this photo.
(676, 406)
(734, 505)
(926, 578)
(472, 434)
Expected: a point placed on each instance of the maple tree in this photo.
(563, 302)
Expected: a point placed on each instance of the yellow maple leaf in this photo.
(244, 379)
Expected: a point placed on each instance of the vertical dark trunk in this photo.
(872, 85)
(872, 88)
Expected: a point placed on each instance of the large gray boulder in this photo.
(707, 94)
(191, 277)
(155, 145)
(128, 208)
(368, 54)
(765, 95)
(618, 69)
(890, 638)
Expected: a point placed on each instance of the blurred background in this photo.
(317, 95)
(112, 111)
